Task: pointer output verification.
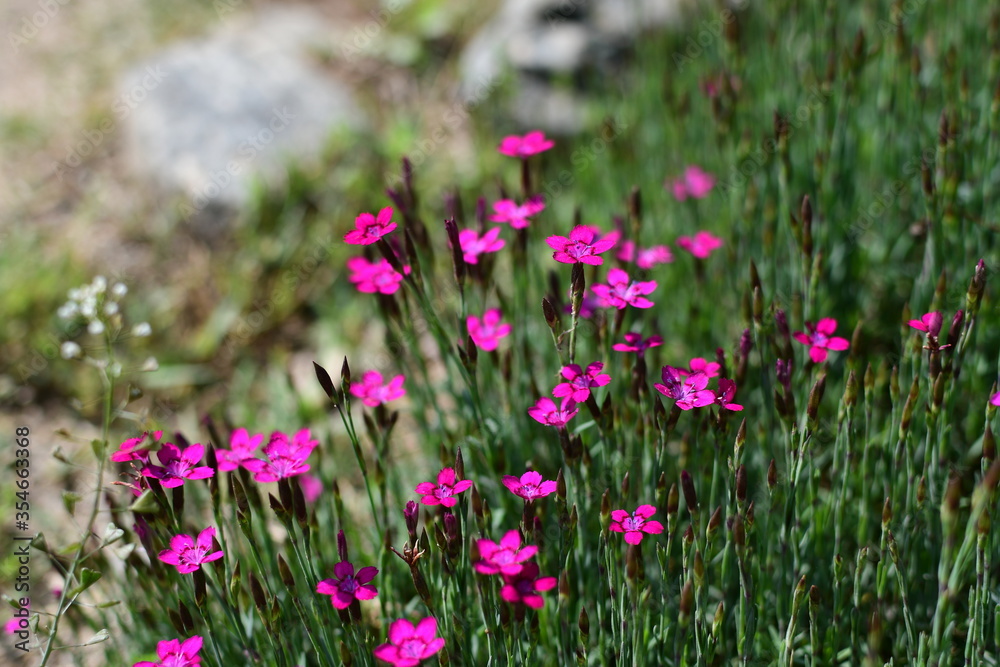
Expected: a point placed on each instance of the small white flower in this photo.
(75, 294)
(142, 330)
(110, 308)
(150, 365)
(70, 350)
(67, 310)
(100, 284)
(119, 290)
(95, 327)
(88, 307)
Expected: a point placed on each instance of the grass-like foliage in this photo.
(714, 385)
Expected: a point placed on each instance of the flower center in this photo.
(412, 648)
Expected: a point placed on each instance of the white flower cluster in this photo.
(98, 306)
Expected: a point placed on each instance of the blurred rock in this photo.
(204, 119)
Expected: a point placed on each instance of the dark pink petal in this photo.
(826, 326)
(463, 485)
(387, 653)
(817, 354)
(446, 476)
(633, 537)
(645, 511)
(343, 570)
(837, 344)
(401, 630)
(546, 488)
(532, 477)
(426, 629)
(652, 527)
(432, 647)
(619, 515)
(546, 583)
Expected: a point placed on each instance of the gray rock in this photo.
(206, 118)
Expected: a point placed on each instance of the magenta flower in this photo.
(694, 183)
(174, 653)
(645, 258)
(241, 448)
(529, 486)
(487, 332)
(929, 323)
(525, 586)
(820, 339)
(409, 645)
(177, 466)
(132, 449)
(345, 586)
(373, 392)
(580, 381)
(545, 411)
(504, 558)
(703, 366)
(444, 492)
(701, 246)
(522, 147)
(636, 524)
(14, 624)
(285, 458)
(689, 392)
(582, 245)
(995, 399)
(187, 555)
(727, 392)
(369, 229)
(620, 292)
(372, 277)
(634, 342)
(312, 487)
(506, 210)
(473, 245)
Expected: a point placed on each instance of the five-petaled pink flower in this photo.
(241, 448)
(703, 366)
(444, 492)
(136, 449)
(373, 392)
(701, 246)
(525, 586)
(474, 245)
(487, 332)
(408, 644)
(506, 210)
(372, 277)
(285, 458)
(645, 258)
(582, 245)
(346, 586)
(522, 147)
(580, 381)
(174, 653)
(635, 524)
(187, 555)
(820, 339)
(689, 392)
(634, 342)
(508, 557)
(725, 395)
(529, 486)
(369, 229)
(546, 412)
(929, 323)
(620, 292)
(177, 466)
(694, 183)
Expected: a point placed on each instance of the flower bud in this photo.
(741, 484)
(690, 497)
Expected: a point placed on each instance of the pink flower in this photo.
(474, 245)
(619, 292)
(581, 246)
(345, 586)
(486, 333)
(369, 229)
(285, 458)
(819, 339)
(187, 555)
(506, 210)
(173, 653)
(645, 258)
(699, 365)
(241, 448)
(545, 411)
(15, 623)
(373, 393)
(636, 524)
(444, 492)
(727, 392)
(176, 465)
(701, 246)
(504, 558)
(529, 486)
(929, 323)
(689, 392)
(371, 277)
(634, 342)
(132, 449)
(525, 586)
(409, 645)
(580, 381)
(694, 183)
(522, 147)
(312, 487)
(995, 399)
